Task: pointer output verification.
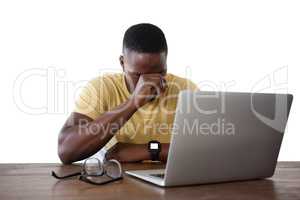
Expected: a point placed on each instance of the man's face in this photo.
(135, 64)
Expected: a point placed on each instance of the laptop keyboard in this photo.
(158, 175)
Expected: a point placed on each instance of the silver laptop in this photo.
(222, 136)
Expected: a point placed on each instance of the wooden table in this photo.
(33, 181)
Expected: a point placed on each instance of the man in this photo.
(123, 112)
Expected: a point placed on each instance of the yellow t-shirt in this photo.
(153, 121)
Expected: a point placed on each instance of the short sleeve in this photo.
(91, 101)
(190, 85)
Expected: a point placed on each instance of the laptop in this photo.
(221, 137)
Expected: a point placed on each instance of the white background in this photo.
(234, 42)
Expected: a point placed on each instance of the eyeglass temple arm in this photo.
(102, 183)
(63, 177)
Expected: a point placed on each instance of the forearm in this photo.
(164, 152)
(125, 152)
(86, 138)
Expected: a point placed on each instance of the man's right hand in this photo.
(148, 87)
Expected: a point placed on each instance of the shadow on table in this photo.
(254, 189)
(132, 188)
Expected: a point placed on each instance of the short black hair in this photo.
(145, 38)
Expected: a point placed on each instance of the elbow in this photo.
(65, 156)
(64, 153)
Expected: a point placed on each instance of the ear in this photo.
(121, 59)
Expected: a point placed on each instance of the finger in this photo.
(159, 82)
(155, 82)
(153, 94)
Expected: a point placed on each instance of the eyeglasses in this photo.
(95, 172)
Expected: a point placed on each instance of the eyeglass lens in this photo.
(93, 167)
(113, 168)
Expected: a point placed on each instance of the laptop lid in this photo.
(226, 136)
